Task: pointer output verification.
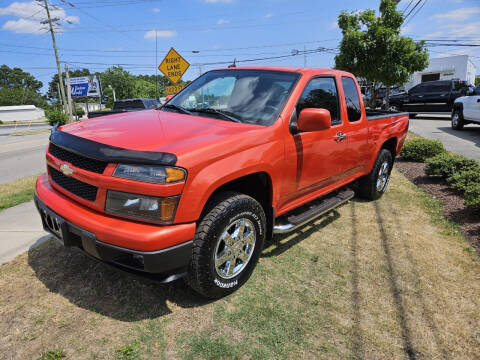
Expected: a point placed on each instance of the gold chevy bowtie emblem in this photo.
(66, 169)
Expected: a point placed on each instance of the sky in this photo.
(98, 34)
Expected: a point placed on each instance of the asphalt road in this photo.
(22, 156)
(465, 142)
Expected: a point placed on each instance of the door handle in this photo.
(340, 136)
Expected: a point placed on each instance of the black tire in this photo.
(457, 120)
(412, 116)
(226, 211)
(367, 187)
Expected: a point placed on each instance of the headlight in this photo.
(140, 207)
(151, 174)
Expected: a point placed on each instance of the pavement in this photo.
(22, 156)
(465, 142)
(12, 129)
(20, 229)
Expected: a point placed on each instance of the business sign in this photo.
(173, 66)
(173, 89)
(84, 86)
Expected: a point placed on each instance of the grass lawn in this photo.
(17, 191)
(374, 280)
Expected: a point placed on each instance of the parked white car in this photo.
(466, 109)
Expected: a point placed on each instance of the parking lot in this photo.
(437, 127)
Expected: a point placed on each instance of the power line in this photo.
(420, 8)
(406, 16)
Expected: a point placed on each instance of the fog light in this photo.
(140, 207)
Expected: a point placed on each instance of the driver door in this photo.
(316, 158)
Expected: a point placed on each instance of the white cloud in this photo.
(30, 15)
(23, 26)
(333, 25)
(160, 34)
(457, 15)
(407, 29)
(462, 30)
(433, 35)
(156, 10)
(268, 16)
(222, 21)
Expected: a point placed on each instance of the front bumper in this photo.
(140, 247)
(171, 262)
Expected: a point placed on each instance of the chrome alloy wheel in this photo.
(235, 248)
(382, 179)
(455, 118)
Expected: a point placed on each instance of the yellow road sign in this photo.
(173, 89)
(173, 66)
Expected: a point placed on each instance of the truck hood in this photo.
(161, 131)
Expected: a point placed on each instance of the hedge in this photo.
(472, 196)
(463, 179)
(447, 165)
(422, 149)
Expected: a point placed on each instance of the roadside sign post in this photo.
(173, 66)
(69, 94)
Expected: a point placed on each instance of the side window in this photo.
(321, 92)
(417, 89)
(477, 90)
(354, 110)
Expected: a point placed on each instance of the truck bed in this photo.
(382, 114)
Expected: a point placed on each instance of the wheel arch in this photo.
(390, 145)
(257, 185)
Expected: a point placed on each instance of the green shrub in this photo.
(472, 195)
(446, 165)
(56, 116)
(463, 179)
(422, 149)
(79, 111)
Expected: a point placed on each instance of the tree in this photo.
(144, 89)
(372, 47)
(18, 87)
(121, 80)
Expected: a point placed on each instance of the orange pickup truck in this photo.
(194, 188)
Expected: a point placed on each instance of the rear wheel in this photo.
(227, 245)
(457, 119)
(373, 185)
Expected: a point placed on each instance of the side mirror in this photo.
(311, 119)
(470, 91)
(168, 98)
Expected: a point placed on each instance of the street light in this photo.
(114, 98)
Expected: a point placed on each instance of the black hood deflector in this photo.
(108, 153)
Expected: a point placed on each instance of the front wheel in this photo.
(227, 245)
(457, 119)
(373, 185)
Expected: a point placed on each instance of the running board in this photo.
(295, 221)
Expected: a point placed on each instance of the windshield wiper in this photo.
(176, 107)
(221, 113)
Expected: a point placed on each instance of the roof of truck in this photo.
(303, 70)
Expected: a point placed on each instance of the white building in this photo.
(10, 114)
(445, 68)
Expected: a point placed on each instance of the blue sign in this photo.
(84, 86)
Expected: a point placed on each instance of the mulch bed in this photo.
(454, 207)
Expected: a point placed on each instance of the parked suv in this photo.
(429, 97)
(466, 109)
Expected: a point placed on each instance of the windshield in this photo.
(248, 96)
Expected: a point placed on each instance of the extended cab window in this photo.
(352, 99)
(321, 92)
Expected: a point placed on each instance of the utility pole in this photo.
(156, 65)
(69, 94)
(60, 77)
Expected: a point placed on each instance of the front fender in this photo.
(201, 185)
